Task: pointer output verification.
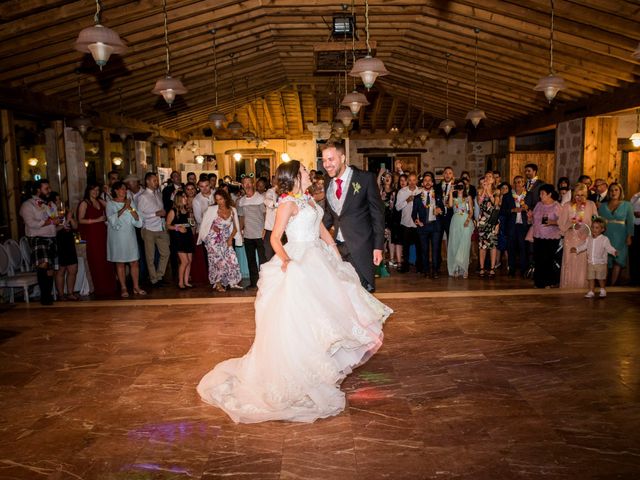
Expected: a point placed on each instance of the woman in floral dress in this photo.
(217, 231)
(488, 230)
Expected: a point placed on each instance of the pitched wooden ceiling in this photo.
(272, 41)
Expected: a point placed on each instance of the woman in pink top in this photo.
(546, 238)
(579, 210)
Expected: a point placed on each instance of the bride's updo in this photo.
(286, 176)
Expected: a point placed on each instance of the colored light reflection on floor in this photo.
(152, 467)
(373, 377)
(174, 431)
(369, 390)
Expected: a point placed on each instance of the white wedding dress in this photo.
(314, 324)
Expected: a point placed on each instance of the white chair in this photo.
(23, 281)
(25, 249)
(15, 257)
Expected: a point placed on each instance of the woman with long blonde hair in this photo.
(572, 216)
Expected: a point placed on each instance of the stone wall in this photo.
(569, 149)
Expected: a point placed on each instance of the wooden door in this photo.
(633, 175)
(545, 160)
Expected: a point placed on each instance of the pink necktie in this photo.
(339, 189)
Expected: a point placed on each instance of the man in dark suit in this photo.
(428, 210)
(355, 211)
(517, 226)
(533, 184)
(601, 190)
(443, 188)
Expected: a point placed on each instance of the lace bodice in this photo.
(305, 225)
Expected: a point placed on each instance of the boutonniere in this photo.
(356, 187)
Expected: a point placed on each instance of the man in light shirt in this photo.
(404, 204)
(154, 233)
(270, 203)
(202, 201)
(251, 210)
(40, 221)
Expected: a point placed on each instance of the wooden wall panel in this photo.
(600, 159)
(546, 162)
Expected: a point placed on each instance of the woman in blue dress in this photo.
(122, 245)
(619, 216)
(460, 231)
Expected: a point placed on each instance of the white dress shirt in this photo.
(200, 204)
(149, 202)
(35, 212)
(270, 201)
(597, 249)
(406, 207)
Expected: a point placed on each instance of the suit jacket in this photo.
(361, 220)
(508, 203)
(420, 212)
(447, 212)
(533, 194)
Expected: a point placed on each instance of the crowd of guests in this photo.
(135, 230)
(536, 229)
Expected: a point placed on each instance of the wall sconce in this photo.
(285, 157)
(237, 156)
(117, 161)
(33, 162)
(199, 159)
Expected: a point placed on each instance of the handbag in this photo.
(493, 218)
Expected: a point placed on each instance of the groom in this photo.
(355, 210)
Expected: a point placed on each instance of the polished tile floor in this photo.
(506, 384)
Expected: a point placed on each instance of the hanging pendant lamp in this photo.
(476, 115)
(99, 40)
(635, 138)
(82, 123)
(168, 86)
(447, 125)
(234, 127)
(552, 83)
(217, 117)
(368, 68)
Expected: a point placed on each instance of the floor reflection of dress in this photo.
(314, 324)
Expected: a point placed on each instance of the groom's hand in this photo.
(377, 257)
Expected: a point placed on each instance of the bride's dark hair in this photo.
(286, 176)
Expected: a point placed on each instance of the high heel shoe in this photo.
(492, 273)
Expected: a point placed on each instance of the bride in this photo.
(314, 322)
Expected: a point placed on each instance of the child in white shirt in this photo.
(597, 247)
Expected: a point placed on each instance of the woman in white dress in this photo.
(314, 322)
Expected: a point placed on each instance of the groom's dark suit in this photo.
(361, 221)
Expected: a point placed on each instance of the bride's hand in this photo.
(284, 265)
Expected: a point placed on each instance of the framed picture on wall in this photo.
(438, 172)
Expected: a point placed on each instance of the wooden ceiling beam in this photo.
(376, 111)
(297, 104)
(621, 99)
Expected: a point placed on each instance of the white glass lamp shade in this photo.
(101, 42)
(345, 116)
(33, 161)
(550, 85)
(218, 119)
(123, 133)
(476, 115)
(158, 140)
(423, 135)
(635, 139)
(117, 161)
(447, 125)
(368, 69)
(235, 127)
(169, 87)
(338, 127)
(199, 159)
(354, 100)
(285, 157)
(237, 156)
(82, 124)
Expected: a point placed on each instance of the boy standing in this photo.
(597, 247)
